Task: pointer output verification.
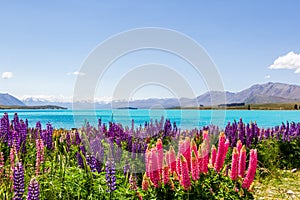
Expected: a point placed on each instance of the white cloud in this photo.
(76, 73)
(267, 76)
(7, 75)
(288, 61)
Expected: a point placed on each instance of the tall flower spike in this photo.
(145, 183)
(39, 155)
(154, 171)
(194, 147)
(227, 143)
(1, 163)
(234, 164)
(33, 190)
(133, 182)
(221, 151)
(185, 177)
(242, 162)
(213, 155)
(172, 159)
(12, 162)
(239, 146)
(200, 159)
(187, 151)
(160, 155)
(110, 175)
(205, 156)
(194, 166)
(165, 175)
(18, 181)
(251, 169)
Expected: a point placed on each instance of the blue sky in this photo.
(42, 44)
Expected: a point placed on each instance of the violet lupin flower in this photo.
(49, 135)
(33, 190)
(110, 175)
(18, 181)
(68, 141)
(23, 134)
(91, 161)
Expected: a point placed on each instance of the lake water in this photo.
(185, 119)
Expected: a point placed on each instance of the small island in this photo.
(46, 107)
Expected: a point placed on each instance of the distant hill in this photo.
(256, 94)
(9, 100)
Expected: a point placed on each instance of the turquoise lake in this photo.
(185, 119)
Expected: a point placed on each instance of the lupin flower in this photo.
(154, 171)
(251, 169)
(242, 162)
(234, 164)
(165, 175)
(194, 166)
(194, 147)
(91, 161)
(68, 141)
(18, 181)
(187, 152)
(239, 146)
(200, 159)
(205, 157)
(172, 159)
(145, 183)
(39, 155)
(221, 152)
(110, 175)
(133, 182)
(12, 161)
(213, 155)
(184, 177)
(1, 163)
(160, 155)
(33, 190)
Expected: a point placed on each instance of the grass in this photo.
(278, 185)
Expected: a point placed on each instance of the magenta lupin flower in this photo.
(165, 175)
(194, 166)
(200, 159)
(160, 155)
(12, 161)
(1, 162)
(185, 177)
(39, 155)
(205, 157)
(242, 162)
(227, 143)
(154, 171)
(239, 146)
(220, 153)
(251, 169)
(148, 158)
(213, 155)
(234, 164)
(172, 159)
(194, 147)
(187, 152)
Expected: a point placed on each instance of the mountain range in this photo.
(256, 94)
